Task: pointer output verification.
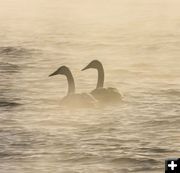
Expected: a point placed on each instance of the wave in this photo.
(8, 67)
(16, 51)
(8, 104)
(139, 161)
(156, 150)
(173, 92)
(12, 50)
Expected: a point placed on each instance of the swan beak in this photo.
(55, 73)
(85, 68)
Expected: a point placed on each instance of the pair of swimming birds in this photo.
(99, 95)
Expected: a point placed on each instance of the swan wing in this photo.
(79, 100)
(107, 95)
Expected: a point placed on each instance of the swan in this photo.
(73, 99)
(104, 95)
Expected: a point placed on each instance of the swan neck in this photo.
(100, 82)
(71, 83)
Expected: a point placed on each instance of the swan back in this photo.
(79, 100)
(107, 95)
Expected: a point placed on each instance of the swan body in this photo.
(79, 100)
(104, 95)
(73, 99)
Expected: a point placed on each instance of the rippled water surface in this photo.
(138, 42)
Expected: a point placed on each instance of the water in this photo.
(138, 43)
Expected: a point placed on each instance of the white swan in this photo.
(104, 95)
(72, 99)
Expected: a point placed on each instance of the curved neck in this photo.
(71, 84)
(100, 82)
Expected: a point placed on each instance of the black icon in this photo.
(172, 165)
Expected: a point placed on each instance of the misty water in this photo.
(137, 41)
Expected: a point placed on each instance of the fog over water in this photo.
(138, 42)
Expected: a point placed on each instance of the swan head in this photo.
(63, 70)
(93, 64)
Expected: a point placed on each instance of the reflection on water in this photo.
(138, 43)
